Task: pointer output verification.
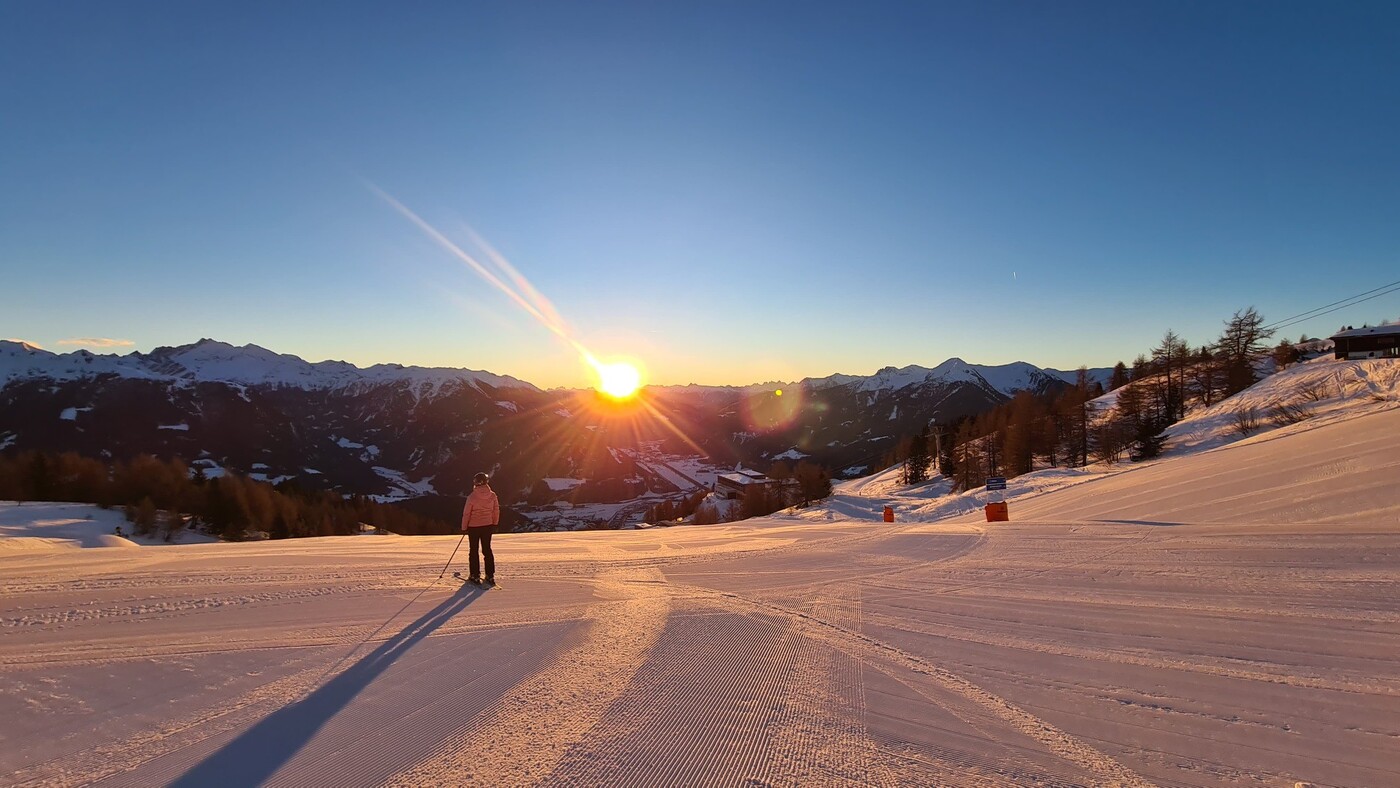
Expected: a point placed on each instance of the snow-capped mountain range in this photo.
(405, 432)
(1005, 379)
(210, 361)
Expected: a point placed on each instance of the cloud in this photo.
(96, 342)
(26, 342)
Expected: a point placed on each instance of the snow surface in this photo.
(671, 475)
(403, 487)
(212, 470)
(1227, 615)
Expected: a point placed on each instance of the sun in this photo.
(618, 379)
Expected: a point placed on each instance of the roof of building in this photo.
(1366, 331)
(744, 477)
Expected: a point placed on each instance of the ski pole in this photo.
(450, 557)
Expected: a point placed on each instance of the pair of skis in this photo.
(477, 583)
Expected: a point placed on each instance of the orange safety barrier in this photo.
(889, 514)
(996, 512)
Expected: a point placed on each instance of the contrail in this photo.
(518, 289)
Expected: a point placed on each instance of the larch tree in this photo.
(1172, 356)
(1243, 339)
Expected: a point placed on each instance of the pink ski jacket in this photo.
(482, 508)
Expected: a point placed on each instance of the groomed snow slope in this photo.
(1220, 618)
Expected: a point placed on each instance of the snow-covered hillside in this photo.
(49, 526)
(1345, 418)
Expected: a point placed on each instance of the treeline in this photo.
(1068, 429)
(162, 496)
(666, 511)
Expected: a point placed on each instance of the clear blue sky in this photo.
(728, 191)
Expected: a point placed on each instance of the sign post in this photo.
(996, 508)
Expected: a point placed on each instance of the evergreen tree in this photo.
(1119, 378)
(1141, 368)
(916, 464)
(1149, 440)
(947, 465)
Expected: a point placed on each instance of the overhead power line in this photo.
(1359, 298)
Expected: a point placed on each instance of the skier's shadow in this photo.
(264, 748)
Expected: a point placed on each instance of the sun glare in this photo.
(618, 379)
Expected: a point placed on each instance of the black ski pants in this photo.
(479, 544)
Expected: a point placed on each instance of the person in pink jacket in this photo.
(479, 519)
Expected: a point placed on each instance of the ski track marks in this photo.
(1047, 654)
(523, 736)
(1105, 770)
(160, 755)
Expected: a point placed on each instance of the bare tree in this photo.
(1243, 340)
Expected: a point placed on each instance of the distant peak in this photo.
(20, 344)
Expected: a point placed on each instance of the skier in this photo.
(479, 519)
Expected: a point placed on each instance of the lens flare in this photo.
(765, 411)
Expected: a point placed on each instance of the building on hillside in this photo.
(734, 485)
(1369, 342)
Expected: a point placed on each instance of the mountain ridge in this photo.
(211, 360)
(402, 433)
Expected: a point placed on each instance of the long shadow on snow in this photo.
(264, 748)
